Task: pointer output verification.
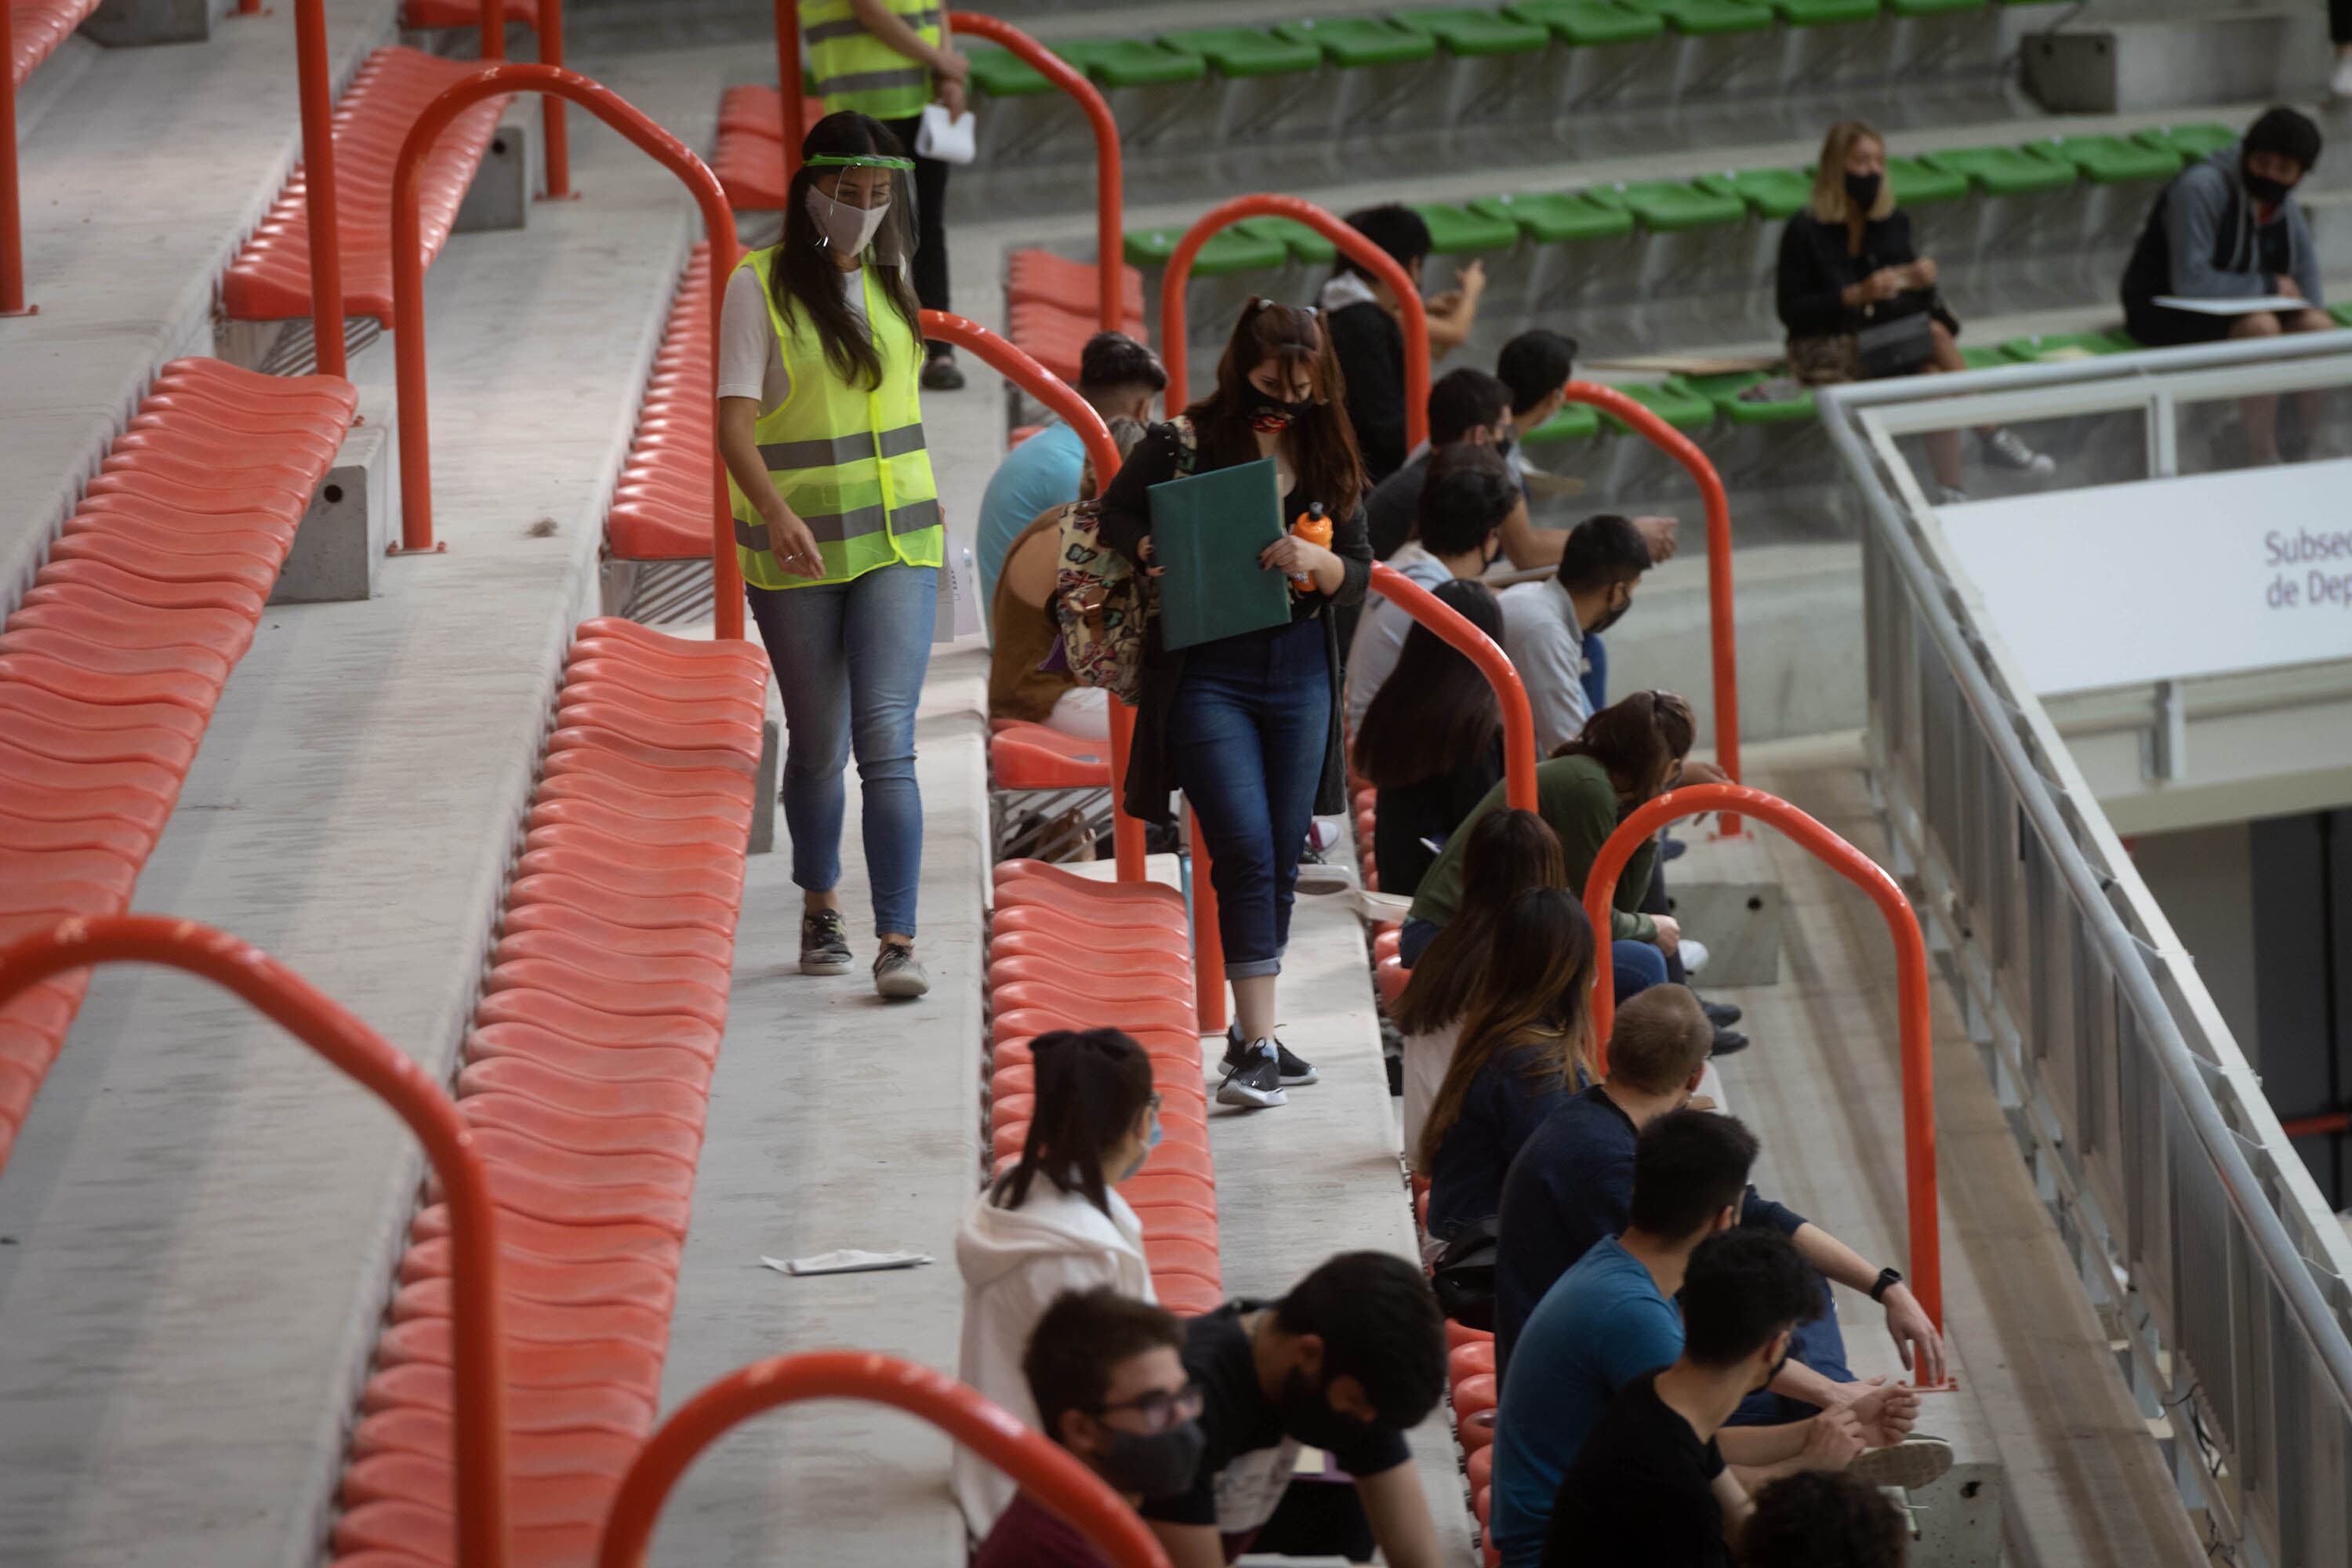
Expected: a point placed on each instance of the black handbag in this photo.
(1897, 345)
(1464, 1274)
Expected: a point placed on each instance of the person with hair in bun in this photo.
(1052, 1224)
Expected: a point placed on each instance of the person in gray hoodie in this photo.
(2229, 228)
(1052, 1224)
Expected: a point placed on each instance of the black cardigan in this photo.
(1815, 270)
(1125, 524)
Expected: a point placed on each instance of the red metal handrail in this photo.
(478, 1350)
(1044, 1469)
(408, 289)
(1223, 215)
(12, 217)
(1126, 832)
(1110, 188)
(1722, 635)
(1927, 1273)
(316, 93)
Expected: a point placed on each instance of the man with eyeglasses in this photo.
(1109, 1378)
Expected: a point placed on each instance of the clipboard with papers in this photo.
(1207, 531)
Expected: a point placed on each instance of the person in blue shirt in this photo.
(1119, 377)
(1613, 1318)
(1571, 1187)
(1524, 1047)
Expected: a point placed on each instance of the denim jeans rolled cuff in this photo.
(849, 660)
(1635, 966)
(1413, 939)
(1253, 968)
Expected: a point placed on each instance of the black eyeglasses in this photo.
(1161, 1408)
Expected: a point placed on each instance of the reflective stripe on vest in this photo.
(854, 69)
(849, 461)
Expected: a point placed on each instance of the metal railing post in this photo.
(788, 83)
(478, 1371)
(557, 129)
(1223, 215)
(319, 205)
(12, 217)
(1926, 1272)
(1722, 632)
(408, 290)
(494, 29)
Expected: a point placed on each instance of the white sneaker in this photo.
(1324, 835)
(1910, 1464)
(1947, 495)
(1693, 953)
(2004, 448)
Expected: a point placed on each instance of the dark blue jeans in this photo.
(1596, 671)
(1246, 736)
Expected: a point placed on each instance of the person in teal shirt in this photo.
(1119, 377)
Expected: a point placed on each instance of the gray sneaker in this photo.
(1910, 1464)
(897, 974)
(824, 943)
(2004, 448)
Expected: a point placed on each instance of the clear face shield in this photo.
(863, 204)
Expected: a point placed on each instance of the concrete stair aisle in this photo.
(203, 1218)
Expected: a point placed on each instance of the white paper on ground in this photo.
(949, 139)
(846, 1260)
(2231, 307)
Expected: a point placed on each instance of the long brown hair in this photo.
(1435, 710)
(804, 277)
(1533, 993)
(1642, 741)
(1092, 1085)
(1508, 851)
(1322, 442)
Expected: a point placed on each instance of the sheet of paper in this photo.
(846, 1260)
(2231, 307)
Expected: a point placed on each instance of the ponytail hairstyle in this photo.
(1092, 1085)
(805, 277)
(1508, 851)
(1533, 992)
(1641, 741)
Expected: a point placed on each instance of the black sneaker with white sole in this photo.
(897, 974)
(1295, 1071)
(1256, 1080)
(824, 943)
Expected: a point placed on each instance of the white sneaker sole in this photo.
(1242, 1094)
(826, 965)
(1910, 1464)
(901, 986)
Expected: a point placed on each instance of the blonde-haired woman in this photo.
(1860, 303)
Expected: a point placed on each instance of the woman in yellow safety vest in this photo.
(838, 521)
(889, 58)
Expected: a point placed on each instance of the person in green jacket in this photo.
(1627, 754)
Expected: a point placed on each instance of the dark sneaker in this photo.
(897, 973)
(1294, 1071)
(824, 943)
(1722, 1014)
(1910, 1464)
(1728, 1043)
(1255, 1081)
(940, 374)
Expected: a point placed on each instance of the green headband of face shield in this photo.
(860, 161)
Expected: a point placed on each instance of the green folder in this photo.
(1208, 530)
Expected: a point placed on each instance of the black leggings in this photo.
(2339, 20)
(930, 219)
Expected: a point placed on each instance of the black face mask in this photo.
(1306, 1415)
(1153, 1464)
(1269, 415)
(2261, 187)
(1862, 191)
(1608, 619)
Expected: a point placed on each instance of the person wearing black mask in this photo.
(1248, 726)
(1860, 303)
(2230, 228)
(1352, 1359)
(1109, 1378)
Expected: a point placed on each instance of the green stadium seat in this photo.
(1775, 196)
(1000, 73)
(1669, 206)
(1588, 24)
(1574, 422)
(1724, 390)
(1247, 51)
(1459, 231)
(1306, 245)
(1356, 43)
(1469, 33)
(1824, 13)
(2342, 314)
(2110, 160)
(1226, 252)
(1133, 62)
(1670, 400)
(1932, 7)
(1708, 19)
(1983, 356)
(1557, 217)
(2191, 142)
(1918, 184)
(2036, 349)
(2003, 171)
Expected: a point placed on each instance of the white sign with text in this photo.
(2165, 579)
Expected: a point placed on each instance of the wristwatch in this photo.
(1888, 1279)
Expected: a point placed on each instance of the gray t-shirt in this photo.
(750, 361)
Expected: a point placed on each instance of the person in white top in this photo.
(1458, 529)
(1545, 623)
(1052, 1224)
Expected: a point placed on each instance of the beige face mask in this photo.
(844, 229)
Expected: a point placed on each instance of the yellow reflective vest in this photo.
(849, 460)
(854, 69)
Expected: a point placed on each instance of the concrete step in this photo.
(204, 1217)
(2277, 53)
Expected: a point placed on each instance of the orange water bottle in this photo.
(1315, 528)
